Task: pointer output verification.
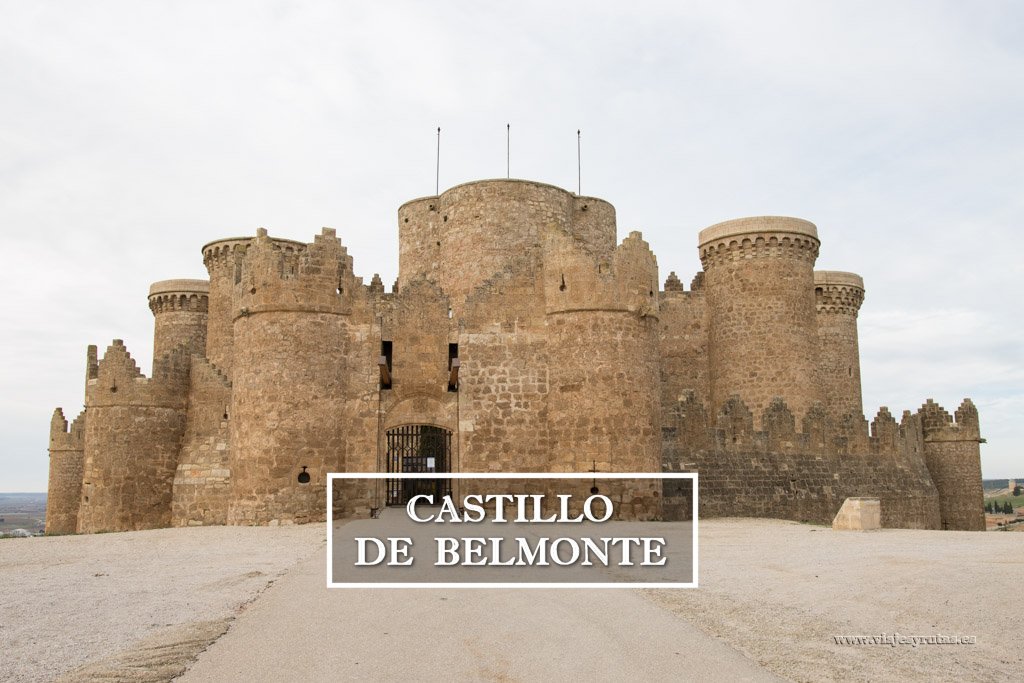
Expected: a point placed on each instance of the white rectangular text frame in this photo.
(331, 476)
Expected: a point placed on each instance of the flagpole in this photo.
(508, 150)
(579, 166)
(437, 170)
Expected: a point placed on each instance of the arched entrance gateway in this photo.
(418, 448)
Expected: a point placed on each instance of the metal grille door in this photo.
(418, 448)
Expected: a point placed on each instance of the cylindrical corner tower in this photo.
(763, 339)
(838, 296)
(604, 400)
(179, 310)
(289, 382)
(223, 260)
(132, 437)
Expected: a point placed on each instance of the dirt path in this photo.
(301, 631)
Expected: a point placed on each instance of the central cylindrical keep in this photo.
(467, 234)
(763, 338)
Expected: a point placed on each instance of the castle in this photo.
(519, 336)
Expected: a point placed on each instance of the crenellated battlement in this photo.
(169, 296)
(758, 237)
(316, 279)
(576, 280)
(674, 288)
(118, 380)
(63, 437)
(223, 259)
(206, 372)
(672, 283)
(92, 365)
(939, 425)
(226, 251)
(732, 429)
(838, 292)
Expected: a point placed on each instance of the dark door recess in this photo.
(418, 448)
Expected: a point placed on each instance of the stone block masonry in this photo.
(521, 335)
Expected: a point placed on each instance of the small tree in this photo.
(1016, 490)
(1008, 508)
(988, 506)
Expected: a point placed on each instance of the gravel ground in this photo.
(68, 600)
(773, 595)
(780, 592)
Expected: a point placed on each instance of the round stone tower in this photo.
(179, 310)
(604, 408)
(289, 379)
(763, 339)
(838, 296)
(464, 236)
(132, 436)
(64, 493)
(223, 260)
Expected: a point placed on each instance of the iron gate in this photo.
(418, 448)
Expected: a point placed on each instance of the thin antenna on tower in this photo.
(579, 166)
(437, 170)
(508, 150)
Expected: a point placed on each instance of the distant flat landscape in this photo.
(22, 511)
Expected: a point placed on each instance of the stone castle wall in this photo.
(801, 473)
(683, 342)
(201, 488)
(504, 381)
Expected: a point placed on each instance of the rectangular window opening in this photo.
(385, 364)
(453, 367)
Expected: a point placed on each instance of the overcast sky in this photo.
(131, 133)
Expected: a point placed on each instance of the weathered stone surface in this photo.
(858, 514)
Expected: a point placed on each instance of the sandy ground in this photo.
(780, 592)
(772, 596)
(68, 600)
